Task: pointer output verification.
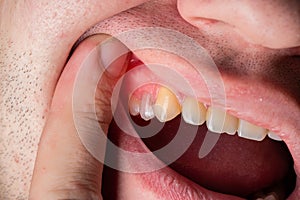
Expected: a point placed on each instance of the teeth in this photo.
(134, 106)
(193, 112)
(250, 131)
(146, 110)
(274, 136)
(270, 197)
(218, 121)
(166, 106)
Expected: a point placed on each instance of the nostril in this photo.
(273, 24)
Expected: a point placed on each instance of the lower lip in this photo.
(165, 183)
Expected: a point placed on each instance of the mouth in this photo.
(241, 149)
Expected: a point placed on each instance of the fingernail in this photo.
(113, 55)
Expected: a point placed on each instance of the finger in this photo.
(64, 168)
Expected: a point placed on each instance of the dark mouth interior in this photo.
(235, 166)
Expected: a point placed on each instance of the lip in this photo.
(239, 90)
(182, 187)
(160, 184)
(247, 97)
(149, 180)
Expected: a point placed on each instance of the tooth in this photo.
(218, 121)
(166, 106)
(270, 197)
(134, 106)
(193, 112)
(215, 118)
(146, 110)
(274, 136)
(231, 124)
(250, 131)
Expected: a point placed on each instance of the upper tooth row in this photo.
(167, 107)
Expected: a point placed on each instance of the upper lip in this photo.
(248, 97)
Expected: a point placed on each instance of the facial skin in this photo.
(36, 39)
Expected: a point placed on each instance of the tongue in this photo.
(234, 166)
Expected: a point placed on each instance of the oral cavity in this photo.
(166, 106)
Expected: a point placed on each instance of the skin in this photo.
(32, 101)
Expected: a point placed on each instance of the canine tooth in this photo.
(166, 106)
(134, 106)
(193, 112)
(218, 121)
(250, 131)
(146, 110)
(274, 136)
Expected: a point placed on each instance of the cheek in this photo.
(273, 24)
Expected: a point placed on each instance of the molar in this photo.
(166, 106)
(193, 112)
(250, 131)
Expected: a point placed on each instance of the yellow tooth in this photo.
(166, 106)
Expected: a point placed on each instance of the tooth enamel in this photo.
(218, 121)
(193, 112)
(274, 136)
(270, 197)
(250, 131)
(231, 124)
(215, 119)
(146, 110)
(166, 106)
(134, 106)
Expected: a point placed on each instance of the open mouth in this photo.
(247, 113)
(239, 150)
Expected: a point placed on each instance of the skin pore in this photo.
(37, 36)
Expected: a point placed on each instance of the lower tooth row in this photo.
(167, 107)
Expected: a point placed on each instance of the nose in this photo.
(270, 23)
